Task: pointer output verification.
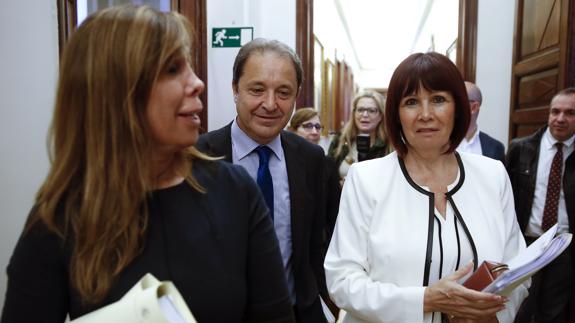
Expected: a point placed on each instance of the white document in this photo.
(170, 310)
(326, 312)
(534, 250)
(149, 301)
(528, 262)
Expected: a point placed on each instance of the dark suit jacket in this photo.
(492, 147)
(522, 159)
(305, 169)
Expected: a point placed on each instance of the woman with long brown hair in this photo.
(128, 194)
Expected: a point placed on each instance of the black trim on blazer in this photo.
(449, 196)
(458, 243)
(431, 221)
(440, 247)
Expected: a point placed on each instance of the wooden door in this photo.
(543, 61)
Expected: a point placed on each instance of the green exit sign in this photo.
(231, 37)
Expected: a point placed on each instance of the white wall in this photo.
(329, 29)
(272, 19)
(29, 67)
(494, 59)
(441, 23)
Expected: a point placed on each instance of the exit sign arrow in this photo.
(231, 36)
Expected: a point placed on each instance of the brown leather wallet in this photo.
(481, 278)
(485, 275)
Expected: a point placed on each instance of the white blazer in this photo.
(376, 262)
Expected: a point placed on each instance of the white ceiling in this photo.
(381, 33)
(381, 26)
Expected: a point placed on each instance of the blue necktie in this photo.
(264, 179)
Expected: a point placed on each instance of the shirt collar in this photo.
(473, 139)
(244, 145)
(549, 141)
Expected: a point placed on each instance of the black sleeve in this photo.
(317, 243)
(268, 297)
(333, 146)
(500, 152)
(333, 192)
(509, 159)
(37, 279)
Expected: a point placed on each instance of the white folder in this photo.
(149, 301)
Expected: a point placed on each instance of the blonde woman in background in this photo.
(128, 194)
(367, 118)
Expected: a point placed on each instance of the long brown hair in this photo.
(350, 129)
(95, 193)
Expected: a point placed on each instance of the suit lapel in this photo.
(531, 149)
(484, 146)
(295, 166)
(220, 142)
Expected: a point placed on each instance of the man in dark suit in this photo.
(267, 76)
(476, 141)
(542, 172)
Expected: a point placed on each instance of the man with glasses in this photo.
(475, 141)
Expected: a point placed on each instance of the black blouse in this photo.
(218, 248)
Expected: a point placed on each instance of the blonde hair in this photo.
(100, 177)
(300, 116)
(350, 131)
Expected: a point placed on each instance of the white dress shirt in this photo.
(243, 154)
(547, 150)
(471, 146)
(376, 261)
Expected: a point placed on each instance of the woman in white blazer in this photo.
(412, 225)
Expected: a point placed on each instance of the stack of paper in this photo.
(538, 255)
(170, 310)
(149, 301)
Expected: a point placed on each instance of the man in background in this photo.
(267, 76)
(542, 172)
(478, 142)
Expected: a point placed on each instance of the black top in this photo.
(378, 149)
(218, 248)
(522, 163)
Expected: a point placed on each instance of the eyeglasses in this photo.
(309, 126)
(370, 111)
